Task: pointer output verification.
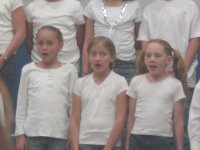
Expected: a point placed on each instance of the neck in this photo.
(49, 65)
(100, 77)
(113, 2)
(156, 78)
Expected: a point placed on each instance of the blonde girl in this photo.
(156, 99)
(99, 102)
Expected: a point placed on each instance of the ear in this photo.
(169, 60)
(113, 57)
(61, 45)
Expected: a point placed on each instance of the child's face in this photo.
(156, 59)
(100, 58)
(48, 45)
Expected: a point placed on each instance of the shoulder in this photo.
(138, 78)
(72, 3)
(69, 68)
(117, 78)
(175, 83)
(35, 4)
(151, 5)
(94, 3)
(84, 81)
(134, 3)
(28, 67)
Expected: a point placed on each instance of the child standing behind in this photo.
(194, 119)
(44, 97)
(156, 100)
(66, 15)
(119, 20)
(99, 103)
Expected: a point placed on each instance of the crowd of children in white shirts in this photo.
(148, 92)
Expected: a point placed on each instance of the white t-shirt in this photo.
(44, 101)
(6, 24)
(176, 21)
(194, 119)
(121, 33)
(64, 14)
(98, 107)
(154, 104)
(84, 2)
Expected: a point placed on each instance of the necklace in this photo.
(105, 14)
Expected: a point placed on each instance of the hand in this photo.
(21, 143)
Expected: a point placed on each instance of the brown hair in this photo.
(178, 63)
(106, 42)
(5, 128)
(53, 29)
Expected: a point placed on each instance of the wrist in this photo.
(4, 57)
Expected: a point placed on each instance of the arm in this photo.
(29, 37)
(89, 34)
(21, 143)
(136, 30)
(143, 45)
(121, 111)
(80, 35)
(131, 120)
(75, 123)
(194, 121)
(21, 112)
(191, 52)
(9, 115)
(19, 33)
(179, 123)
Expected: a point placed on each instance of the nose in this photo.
(44, 46)
(97, 57)
(152, 58)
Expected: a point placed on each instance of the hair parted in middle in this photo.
(106, 42)
(53, 29)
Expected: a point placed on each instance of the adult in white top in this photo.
(12, 33)
(194, 120)
(178, 22)
(153, 115)
(98, 105)
(66, 15)
(44, 101)
(117, 20)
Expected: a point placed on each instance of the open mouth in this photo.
(152, 67)
(97, 65)
(45, 54)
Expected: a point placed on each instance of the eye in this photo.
(147, 55)
(102, 54)
(39, 43)
(92, 53)
(49, 43)
(157, 55)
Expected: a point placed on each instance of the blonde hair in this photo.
(178, 63)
